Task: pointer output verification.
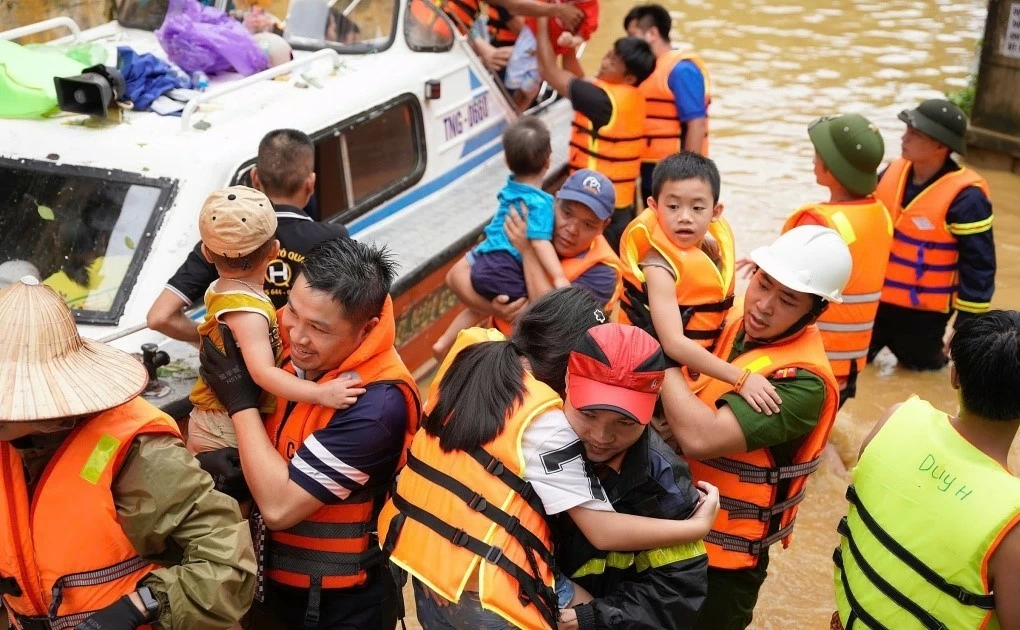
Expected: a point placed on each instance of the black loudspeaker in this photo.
(92, 92)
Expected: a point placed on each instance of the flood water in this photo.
(775, 66)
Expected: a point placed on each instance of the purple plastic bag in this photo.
(196, 38)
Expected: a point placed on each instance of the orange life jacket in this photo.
(462, 12)
(749, 482)
(867, 230)
(332, 547)
(704, 292)
(922, 271)
(498, 26)
(599, 253)
(63, 554)
(425, 13)
(615, 149)
(664, 131)
(456, 516)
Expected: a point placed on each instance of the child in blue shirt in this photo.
(496, 267)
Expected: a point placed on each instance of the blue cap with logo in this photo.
(591, 188)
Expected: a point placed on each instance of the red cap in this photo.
(616, 367)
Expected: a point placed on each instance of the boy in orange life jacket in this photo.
(672, 265)
(237, 226)
(496, 265)
(609, 116)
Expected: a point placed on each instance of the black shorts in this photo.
(497, 273)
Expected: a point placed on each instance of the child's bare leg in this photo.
(466, 319)
(581, 596)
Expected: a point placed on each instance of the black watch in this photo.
(150, 603)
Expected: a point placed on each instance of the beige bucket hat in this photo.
(47, 371)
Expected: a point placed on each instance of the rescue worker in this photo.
(760, 463)
(943, 254)
(928, 482)
(609, 116)
(848, 151)
(583, 207)
(285, 172)
(318, 475)
(677, 94)
(108, 522)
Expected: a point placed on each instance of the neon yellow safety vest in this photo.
(927, 510)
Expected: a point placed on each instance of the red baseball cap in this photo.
(616, 367)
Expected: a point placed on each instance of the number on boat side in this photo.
(468, 116)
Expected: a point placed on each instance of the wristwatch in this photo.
(150, 603)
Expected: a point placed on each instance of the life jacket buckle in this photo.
(772, 477)
(495, 467)
(478, 503)
(460, 538)
(493, 555)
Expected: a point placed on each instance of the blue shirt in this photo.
(358, 449)
(600, 280)
(688, 87)
(540, 217)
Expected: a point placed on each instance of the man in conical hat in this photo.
(106, 521)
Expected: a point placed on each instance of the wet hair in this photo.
(527, 146)
(637, 57)
(244, 263)
(486, 381)
(357, 276)
(286, 159)
(683, 166)
(649, 15)
(986, 352)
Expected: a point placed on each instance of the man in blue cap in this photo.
(584, 206)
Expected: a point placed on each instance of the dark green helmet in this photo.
(941, 120)
(851, 148)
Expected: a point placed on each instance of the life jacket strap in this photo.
(739, 544)
(917, 265)
(311, 529)
(92, 578)
(603, 157)
(496, 468)
(749, 473)
(925, 618)
(46, 623)
(960, 594)
(532, 590)
(737, 509)
(856, 610)
(910, 240)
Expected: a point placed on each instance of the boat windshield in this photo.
(84, 232)
(347, 26)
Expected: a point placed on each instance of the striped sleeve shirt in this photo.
(358, 449)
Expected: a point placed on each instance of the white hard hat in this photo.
(809, 259)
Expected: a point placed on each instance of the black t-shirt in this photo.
(297, 234)
(592, 101)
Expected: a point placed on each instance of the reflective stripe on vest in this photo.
(704, 292)
(452, 508)
(599, 253)
(59, 575)
(332, 547)
(866, 227)
(918, 474)
(923, 258)
(752, 515)
(664, 132)
(642, 561)
(615, 149)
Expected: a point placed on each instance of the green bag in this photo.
(26, 79)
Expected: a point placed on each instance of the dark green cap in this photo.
(851, 148)
(941, 120)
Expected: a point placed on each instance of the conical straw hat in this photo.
(47, 370)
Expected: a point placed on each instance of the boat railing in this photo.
(286, 68)
(43, 26)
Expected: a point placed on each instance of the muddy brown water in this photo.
(776, 66)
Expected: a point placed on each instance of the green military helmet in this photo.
(851, 148)
(941, 120)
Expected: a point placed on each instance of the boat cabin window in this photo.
(427, 28)
(84, 232)
(347, 26)
(361, 163)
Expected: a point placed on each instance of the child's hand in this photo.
(569, 15)
(746, 266)
(708, 507)
(516, 227)
(760, 394)
(560, 282)
(341, 392)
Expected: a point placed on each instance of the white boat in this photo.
(408, 153)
